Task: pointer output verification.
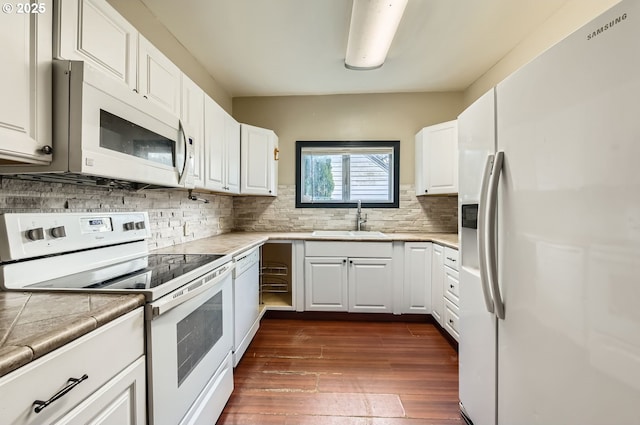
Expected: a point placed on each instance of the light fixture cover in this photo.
(373, 26)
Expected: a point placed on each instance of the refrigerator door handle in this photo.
(490, 234)
(482, 252)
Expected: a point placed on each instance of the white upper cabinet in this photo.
(192, 115)
(158, 77)
(259, 161)
(94, 32)
(222, 149)
(232, 139)
(25, 84)
(437, 159)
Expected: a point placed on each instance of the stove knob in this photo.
(35, 234)
(129, 225)
(140, 225)
(58, 232)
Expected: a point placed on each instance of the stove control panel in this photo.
(28, 235)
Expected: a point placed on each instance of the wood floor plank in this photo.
(302, 372)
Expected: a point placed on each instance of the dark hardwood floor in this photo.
(307, 372)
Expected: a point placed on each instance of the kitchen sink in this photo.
(354, 234)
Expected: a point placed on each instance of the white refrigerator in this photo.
(550, 235)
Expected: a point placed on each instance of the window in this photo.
(339, 174)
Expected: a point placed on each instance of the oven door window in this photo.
(120, 135)
(197, 334)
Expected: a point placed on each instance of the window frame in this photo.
(394, 144)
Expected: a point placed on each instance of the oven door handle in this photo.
(189, 291)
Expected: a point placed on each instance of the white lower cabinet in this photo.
(105, 385)
(416, 296)
(118, 402)
(370, 285)
(445, 288)
(348, 276)
(325, 284)
(451, 290)
(437, 282)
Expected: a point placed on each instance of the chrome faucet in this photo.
(359, 220)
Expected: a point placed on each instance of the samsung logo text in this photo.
(606, 26)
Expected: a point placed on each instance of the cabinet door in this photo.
(214, 129)
(417, 278)
(257, 164)
(437, 159)
(192, 115)
(121, 401)
(370, 285)
(232, 145)
(93, 31)
(158, 77)
(25, 84)
(325, 284)
(437, 282)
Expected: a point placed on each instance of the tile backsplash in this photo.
(416, 214)
(176, 219)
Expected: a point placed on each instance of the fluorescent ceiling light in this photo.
(373, 25)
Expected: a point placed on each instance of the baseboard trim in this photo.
(345, 316)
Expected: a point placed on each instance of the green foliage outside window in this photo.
(318, 182)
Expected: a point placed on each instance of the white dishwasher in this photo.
(246, 301)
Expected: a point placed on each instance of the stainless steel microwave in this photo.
(106, 134)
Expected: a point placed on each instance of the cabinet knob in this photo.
(451, 286)
(344, 261)
(450, 321)
(426, 191)
(46, 149)
(135, 90)
(276, 154)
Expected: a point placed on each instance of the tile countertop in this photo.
(237, 242)
(33, 324)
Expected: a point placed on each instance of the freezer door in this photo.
(477, 344)
(569, 229)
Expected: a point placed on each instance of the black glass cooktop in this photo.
(142, 273)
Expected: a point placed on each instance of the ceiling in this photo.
(297, 47)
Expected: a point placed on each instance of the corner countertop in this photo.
(33, 324)
(236, 242)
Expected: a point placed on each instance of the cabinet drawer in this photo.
(451, 257)
(100, 354)
(451, 314)
(451, 285)
(348, 249)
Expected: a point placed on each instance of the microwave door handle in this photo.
(187, 156)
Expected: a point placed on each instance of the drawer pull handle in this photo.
(71, 384)
(450, 322)
(451, 259)
(451, 286)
